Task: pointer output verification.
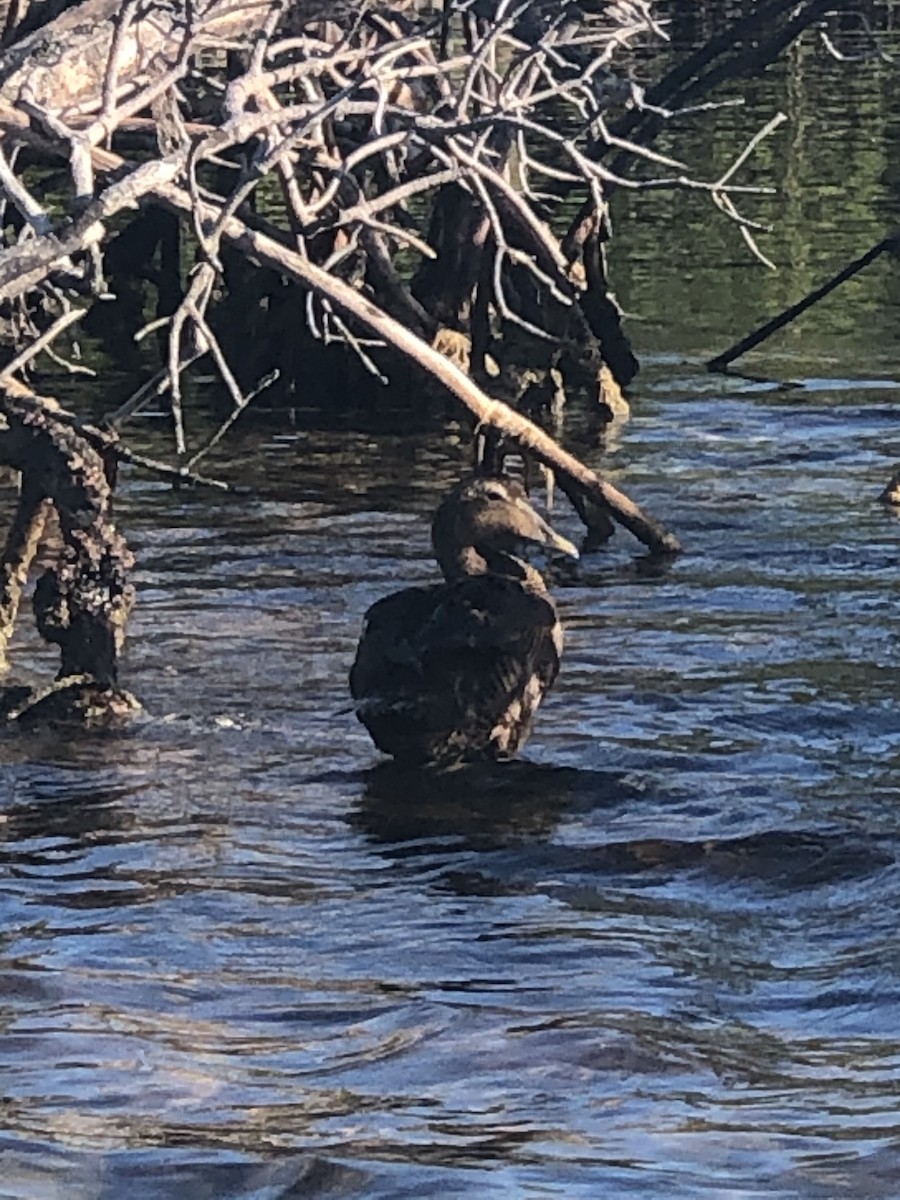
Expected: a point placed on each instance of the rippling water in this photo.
(657, 957)
(240, 956)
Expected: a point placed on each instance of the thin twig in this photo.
(25, 356)
(230, 420)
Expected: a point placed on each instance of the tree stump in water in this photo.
(81, 603)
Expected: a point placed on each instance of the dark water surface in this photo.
(657, 958)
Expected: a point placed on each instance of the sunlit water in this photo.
(657, 957)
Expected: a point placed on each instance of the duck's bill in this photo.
(533, 528)
(557, 542)
(547, 536)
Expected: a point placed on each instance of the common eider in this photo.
(454, 672)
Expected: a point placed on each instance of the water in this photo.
(657, 957)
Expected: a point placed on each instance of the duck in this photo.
(454, 672)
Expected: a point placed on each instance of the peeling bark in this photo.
(22, 543)
(82, 602)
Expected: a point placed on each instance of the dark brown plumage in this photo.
(454, 672)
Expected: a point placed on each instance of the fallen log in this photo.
(84, 62)
(492, 413)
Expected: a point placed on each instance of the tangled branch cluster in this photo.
(422, 158)
(428, 187)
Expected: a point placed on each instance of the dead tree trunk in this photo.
(22, 544)
(82, 602)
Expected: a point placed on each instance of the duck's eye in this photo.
(496, 491)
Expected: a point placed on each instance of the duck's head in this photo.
(484, 524)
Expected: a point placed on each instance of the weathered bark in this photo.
(22, 543)
(64, 63)
(82, 602)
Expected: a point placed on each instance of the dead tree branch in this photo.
(758, 336)
(378, 178)
(82, 602)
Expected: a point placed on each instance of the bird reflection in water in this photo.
(492, 827)
(484, 806)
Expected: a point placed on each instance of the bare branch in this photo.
(46, 338)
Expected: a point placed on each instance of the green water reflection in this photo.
(684, 273)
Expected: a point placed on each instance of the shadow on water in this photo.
(82, 848)
(69, 814)
(170, 1173)
(779, 858)
(480, 806)
(501, 819)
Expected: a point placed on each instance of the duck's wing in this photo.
(455, 671)
(387, 675)
(490, 651)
